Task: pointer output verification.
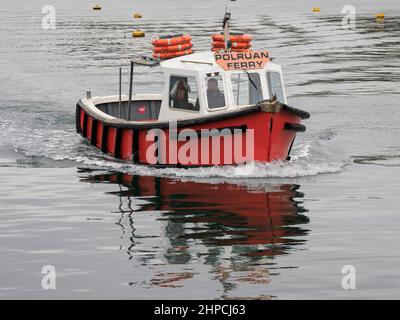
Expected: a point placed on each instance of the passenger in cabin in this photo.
(215, 97)
(180, 96)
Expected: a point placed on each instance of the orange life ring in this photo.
(233, 38)
(169, 55)
(171, 41)
(239, 45)
(178, 47)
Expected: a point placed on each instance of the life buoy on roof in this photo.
(172, 46)
(239, 45)
(239, 42)
(178, 47)
(169, 55)
(171, 41)
(234, 38)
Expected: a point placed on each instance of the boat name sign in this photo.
(242, 60)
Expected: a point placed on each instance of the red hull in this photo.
(274, 133)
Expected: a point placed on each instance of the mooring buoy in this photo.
(138, 33)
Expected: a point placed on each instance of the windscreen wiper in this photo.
(251, 80)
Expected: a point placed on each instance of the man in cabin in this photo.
(180, 96)
(215, 97)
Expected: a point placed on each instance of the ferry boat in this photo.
(223, 107)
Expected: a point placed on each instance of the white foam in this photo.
(307, 158)
(302, 164)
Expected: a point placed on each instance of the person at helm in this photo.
(215, 97)
(180, 96)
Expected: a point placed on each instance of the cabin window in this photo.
(183, 93)
(215, 92)
(275, 85)
(246, 88)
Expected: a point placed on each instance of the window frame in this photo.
(205, 77)
(269, 87)
(262, 87)
(169, 90)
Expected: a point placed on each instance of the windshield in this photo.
(246, 87)
(275, 86)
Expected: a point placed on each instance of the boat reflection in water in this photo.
(236, 229)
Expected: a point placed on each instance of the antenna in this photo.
(225, 27)
(226, 4)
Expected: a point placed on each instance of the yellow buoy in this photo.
(316, 9)
(96, 7)
(380, 16)
(138, 33)
(137, 15)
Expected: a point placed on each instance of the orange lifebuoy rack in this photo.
(167, 47)
(233, 38)
(169, 55)
(238, 42)
(175, 48)
(238, 45)
(171, 41)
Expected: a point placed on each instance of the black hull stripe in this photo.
(300, 113)
(104, 139)
(135, 145)
(78, 118)
(93, 136)
(117, 147)
(294, 127)
(84, 127)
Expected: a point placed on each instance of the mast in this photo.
(130, 91)
(225, 27)
(120, 86)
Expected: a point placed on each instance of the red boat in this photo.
(217, 108)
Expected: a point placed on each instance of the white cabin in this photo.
(239, 88)
(232, 90)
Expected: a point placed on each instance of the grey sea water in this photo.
(281, 231)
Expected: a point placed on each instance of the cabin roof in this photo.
(194, 61)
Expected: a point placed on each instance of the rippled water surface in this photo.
(281, 230)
